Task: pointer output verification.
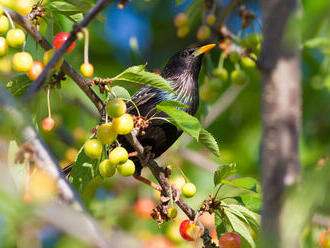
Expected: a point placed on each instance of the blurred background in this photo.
(144, 32)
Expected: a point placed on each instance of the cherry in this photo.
(118, 155)
(203, 32)
(23, 7)
(4, 24)
(7, 3)
(182, 31)
(5, 64)
(210, 19)
(172, 233)
(188, 190)
(87, 70)
(172, 213)
(238, 77)
(221, 73)
(116, 108)
(144, 207)
(22, 61)
(35, 70)
(324, 239)
(107, 169)
(41, 187)
(106, 134)
(60, 39)
(3, 46)
(47, 57)
(189, 230)
(93, 148)
(126, 169)
(123, 124)
(234, 57)
(181, 20)
(248, 62)
(230, 240)
(48, 124)
(15, 37)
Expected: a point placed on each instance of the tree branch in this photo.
(82, 82)
(281, 113)
(159, 174)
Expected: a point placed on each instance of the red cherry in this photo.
(48, 123)
(143, 207)
(59, 40)
(190, 231)
(230, 240)
(324, 239)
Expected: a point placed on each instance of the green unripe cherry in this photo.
(116, 108)
(188, 190)
(118, 155)
(238, 77)
(221, 73)
(93, 148)
(248, 62)
(123, 124)
(234, 57)
(126, 169)
(106, 134)
(172, 213)
(3, 46)
(15, 37)
(107, 169)
(4, 24)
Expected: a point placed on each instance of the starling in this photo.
(181, 72)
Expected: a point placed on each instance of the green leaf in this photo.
(182, 120)
(252, 202)
(228, 191)
(223, 171)
(178, 1)
(18, 85)
(220, 223)
(317, 42)
(207, 139)
(243, 182)
(83, 171)
(239, 227)
(64, 7)
(137, 75)
(251, 217)
(170, 103)
(120, 92)
(76, 17)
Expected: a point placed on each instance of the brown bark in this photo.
(281, 113)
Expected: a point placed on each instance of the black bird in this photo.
(181, 72)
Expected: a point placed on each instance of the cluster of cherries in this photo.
(122, 123)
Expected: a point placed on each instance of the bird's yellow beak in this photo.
(203, 49)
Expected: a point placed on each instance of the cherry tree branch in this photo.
(83, 83)
(159, 173)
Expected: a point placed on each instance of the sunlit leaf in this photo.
(207, 139)
(222, 172)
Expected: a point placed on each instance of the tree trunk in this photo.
(281, 112)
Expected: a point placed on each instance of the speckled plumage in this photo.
(182, 72)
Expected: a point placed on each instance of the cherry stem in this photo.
(10, 20)
(137, 109)
(184, 176)
(85, 30)
(221, 60)
(148, 182)
(48, 102)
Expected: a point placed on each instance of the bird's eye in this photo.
(185, 54)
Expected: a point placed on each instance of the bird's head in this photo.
(186, 61)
